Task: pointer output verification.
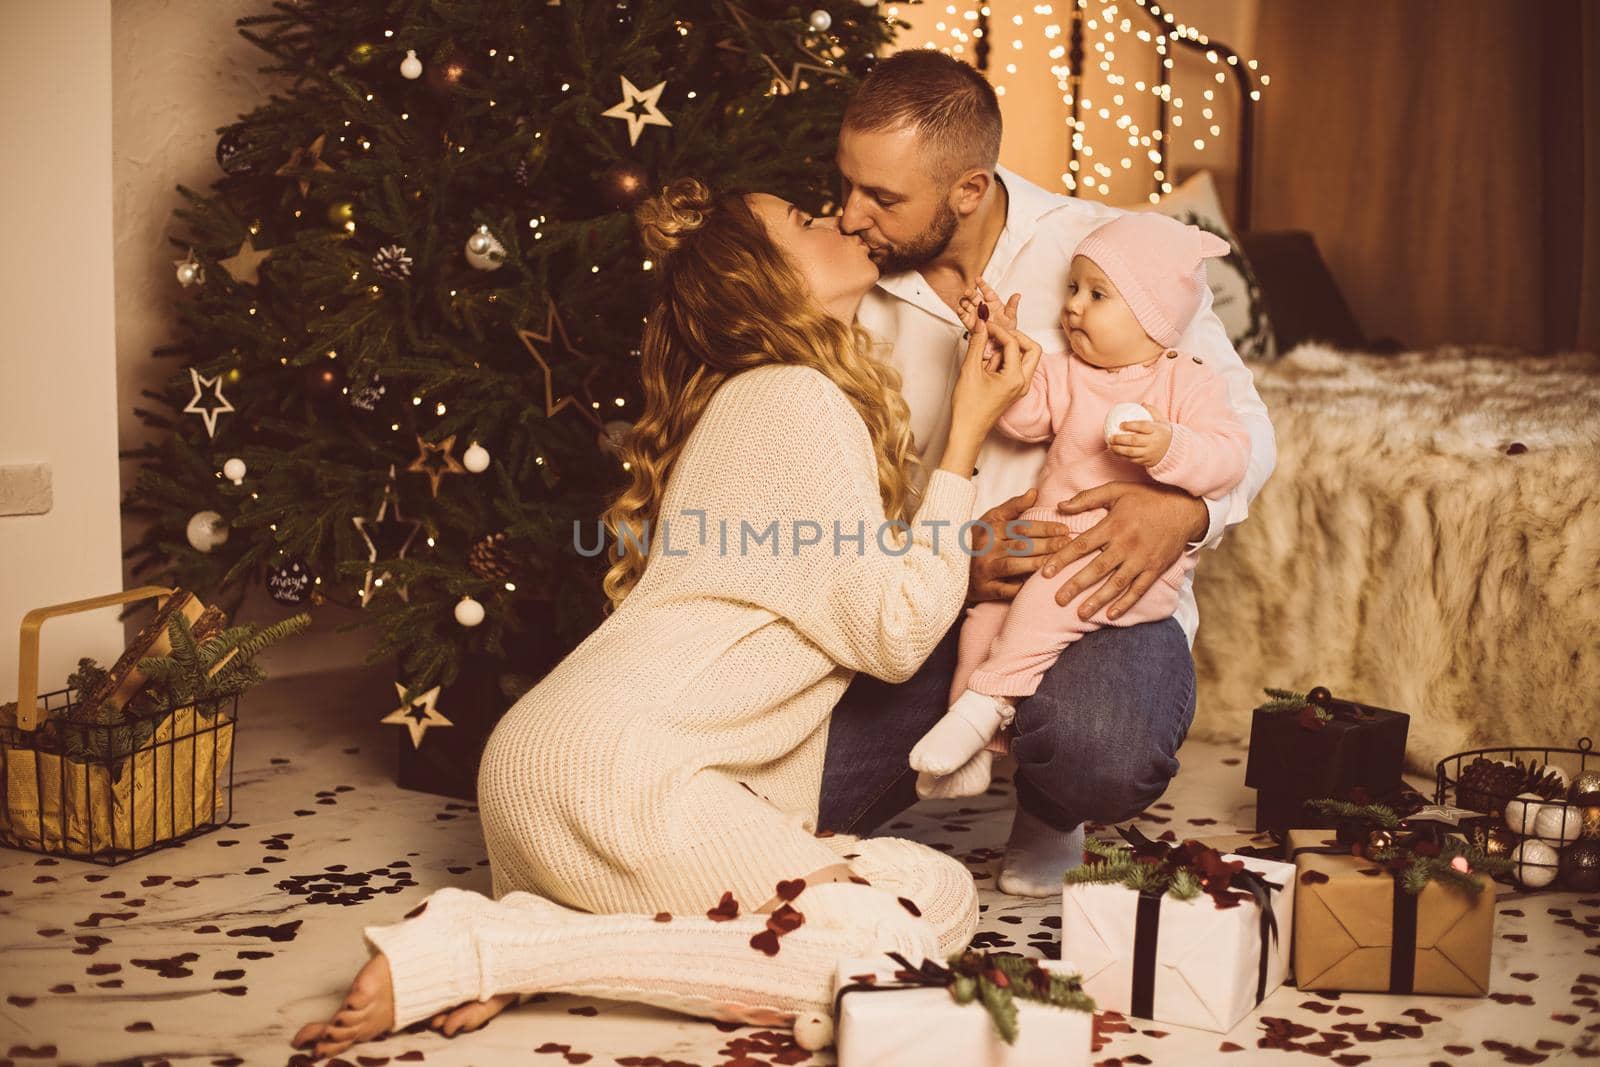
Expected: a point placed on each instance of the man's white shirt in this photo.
(921, 336)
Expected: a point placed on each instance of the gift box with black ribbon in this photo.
(979, 1010)
(1398, 908)
(1177, 933)
(1304, 746)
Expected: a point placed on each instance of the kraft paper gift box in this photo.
(1185, 962)
(1359, 747)
(1357, 929)
(885, 1022)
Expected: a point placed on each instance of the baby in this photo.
(1121, 405)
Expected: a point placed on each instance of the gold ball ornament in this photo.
(361, 53)
(1495, 840)
(1378, 840)
(1580, 867)
(1584, 786)
(1590, 830)
(341, 212)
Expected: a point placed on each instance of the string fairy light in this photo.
(1105, 39)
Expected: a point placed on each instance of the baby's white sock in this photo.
(969, 724)
(1037, 855)
(971, 779)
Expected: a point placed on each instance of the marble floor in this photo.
(215, 951)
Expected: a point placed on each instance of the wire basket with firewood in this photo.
(137, 756)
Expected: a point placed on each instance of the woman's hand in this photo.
(989, 384)
(982, 304)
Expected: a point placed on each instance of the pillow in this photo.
(1235, 293)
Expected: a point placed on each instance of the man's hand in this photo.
(998, 568)
(1145, 529)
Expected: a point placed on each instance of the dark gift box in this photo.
(446, 762)
(1315, 746)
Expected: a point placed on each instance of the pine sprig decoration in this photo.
(996, 980)
(1416, 865)
(1377, 814)
(1116, 865)
(1284, 700)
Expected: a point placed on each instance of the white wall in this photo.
(58, 402)
(180, 71)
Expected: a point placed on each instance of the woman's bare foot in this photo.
(471, 1015)
(367, 1012)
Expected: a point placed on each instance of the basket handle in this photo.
(28, 652)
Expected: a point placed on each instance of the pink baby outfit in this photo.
(1005, 648)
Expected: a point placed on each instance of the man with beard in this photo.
(918, 157)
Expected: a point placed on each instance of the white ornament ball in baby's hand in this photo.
(1535, 864)
(1121, 413)
(813, 1030)
(1558, 824)
(1521, 812)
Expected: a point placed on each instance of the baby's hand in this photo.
(981, 296)
(1145, 441)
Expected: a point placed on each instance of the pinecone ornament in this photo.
(522, 173)
(392, 262)
(1486, 785)
(491, 558)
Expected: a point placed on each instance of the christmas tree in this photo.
(408, 311)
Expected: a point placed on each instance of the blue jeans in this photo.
(1096, 741)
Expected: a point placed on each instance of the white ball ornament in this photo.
(190, 274)
(1557, 824)
(1534, 864)
(411, 66)
(482, 247)
(469, 612)
(234, 470)
(1121, 413)
(1521, 812)
(475, 458)
(206, 530)
(813, 1031)
(820, 20)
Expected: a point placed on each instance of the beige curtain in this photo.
(1446, 155)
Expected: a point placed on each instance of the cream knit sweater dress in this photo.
(676, 754)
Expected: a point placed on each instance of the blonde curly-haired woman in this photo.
(649, 806)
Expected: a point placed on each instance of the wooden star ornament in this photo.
(630, 109)
(303, 163)
(244, 266)
(436, 461)
(555, 337)
(389, 531)
(207, 407)
(416, 715)
(785, 83)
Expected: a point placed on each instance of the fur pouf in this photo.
(1406, 552)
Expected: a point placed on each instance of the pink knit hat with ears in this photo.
(1157, 264)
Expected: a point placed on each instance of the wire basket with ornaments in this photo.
(1540, 808)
